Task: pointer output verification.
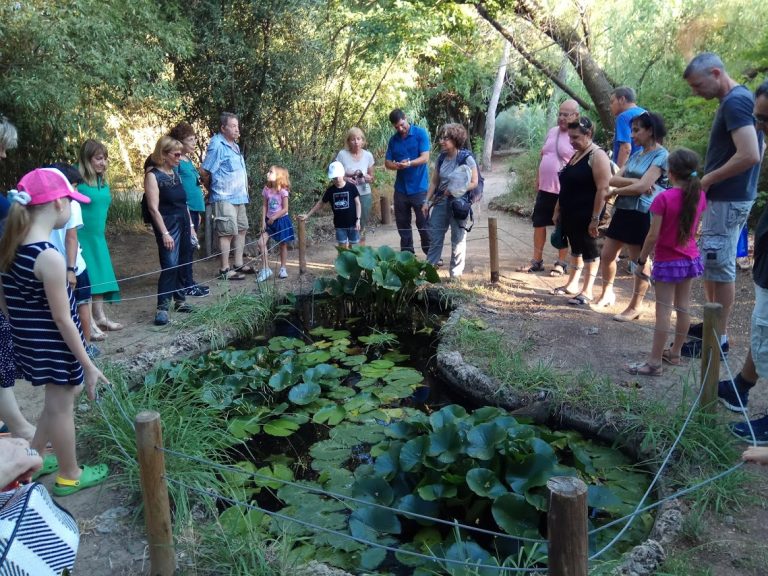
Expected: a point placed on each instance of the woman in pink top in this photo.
(675, 216)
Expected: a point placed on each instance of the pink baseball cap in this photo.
(48, 184)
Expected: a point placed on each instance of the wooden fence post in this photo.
(386, 215)
(157, 510)
(710, 356)
(302, 246)
(567, 527)
(493, 240)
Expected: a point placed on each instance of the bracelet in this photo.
(409, 162)
(166, 233)
(595, 218)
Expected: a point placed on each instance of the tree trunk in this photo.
(490, 117)
(553, 106)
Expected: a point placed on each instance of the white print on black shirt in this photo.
(341, 200)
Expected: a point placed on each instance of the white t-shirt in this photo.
(58, 236)
(351, 165)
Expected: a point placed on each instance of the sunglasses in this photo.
(761, 118)
(584, 125)
(176, 154)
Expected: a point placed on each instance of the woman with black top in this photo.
(583, 188)
(167, 204)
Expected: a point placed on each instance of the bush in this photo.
(521, 127)
(521, 194)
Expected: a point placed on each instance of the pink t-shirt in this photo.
(555, 154)
(668, 205)
(273, 199)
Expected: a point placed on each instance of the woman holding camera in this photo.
(455, 173)
(358, 170)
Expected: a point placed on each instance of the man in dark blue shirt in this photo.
(408, 154)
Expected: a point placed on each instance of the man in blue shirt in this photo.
(408, 154)
(223, 173)
(624, 108)
(731, 169)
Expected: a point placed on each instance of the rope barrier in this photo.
(664, 463)
(339, 496)
(370, 543)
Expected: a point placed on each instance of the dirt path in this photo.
(563, 336)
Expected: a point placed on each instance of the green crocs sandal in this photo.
(91, 476)
(50, 465)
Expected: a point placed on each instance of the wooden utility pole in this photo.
(567, 527)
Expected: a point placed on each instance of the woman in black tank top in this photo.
(583, 188)
(167, 205)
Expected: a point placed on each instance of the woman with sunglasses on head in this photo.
(635, 187)
(583, 188)
(167, 206)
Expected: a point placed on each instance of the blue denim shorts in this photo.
(759, 334)
(721, 225)
(347, 236)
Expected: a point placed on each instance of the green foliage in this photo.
(521, 194)
(521, 127)
(378, 283)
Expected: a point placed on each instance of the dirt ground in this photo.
(564, 336)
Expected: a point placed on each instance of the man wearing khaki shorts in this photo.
(731, 169)
(223, 173)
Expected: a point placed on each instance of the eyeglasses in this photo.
(443, 137)
(566, 114)
(176, 154)
(761, 118)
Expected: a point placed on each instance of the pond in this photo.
(350, 431)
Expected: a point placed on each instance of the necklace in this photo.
(171, 175)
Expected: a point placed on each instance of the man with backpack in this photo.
(455, 184)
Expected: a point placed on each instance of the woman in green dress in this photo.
(93, 167)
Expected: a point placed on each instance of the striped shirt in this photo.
(41, 354)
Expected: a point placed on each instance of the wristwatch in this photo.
(72, 269)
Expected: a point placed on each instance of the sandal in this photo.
(642, 369)
(90, 476)
(562, 291)
(580, 300)
(50, 465)
(671, 359)
(534, 266)
(108, 325)
(228, 274)
(244, 269)
(559, 269)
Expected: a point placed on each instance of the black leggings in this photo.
(576, 229)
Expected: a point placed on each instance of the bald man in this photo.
(555, 154)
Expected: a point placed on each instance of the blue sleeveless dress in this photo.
(41, 355)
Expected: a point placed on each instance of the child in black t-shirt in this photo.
(345, 203)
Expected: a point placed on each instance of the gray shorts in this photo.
(760, 331)
(229, 219)
(721, 225)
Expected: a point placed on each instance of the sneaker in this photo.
(93, 351)
(729, 393)
(759, 427)
(184, 308)
(263, 274)
(161, 318)
(692, 349)
(283, 272)
(198, 291)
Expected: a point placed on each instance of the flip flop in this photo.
(50, 465)
(90, 476)
(642, 369)
(230, 275)
(245, 269)
(562, 291)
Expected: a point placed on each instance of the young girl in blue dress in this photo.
(277, 224)
(49, 348)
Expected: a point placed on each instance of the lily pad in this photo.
(330, 414)
(304, 393)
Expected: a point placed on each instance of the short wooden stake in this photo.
(710, 349)
(157, 510)
(208, 230)
(567, 527)
(386, 215)
(302, 246)
(493, 240)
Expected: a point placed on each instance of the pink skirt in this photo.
(674, 271)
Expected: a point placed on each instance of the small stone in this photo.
(106, 521)
(592, 331)
(729, 520)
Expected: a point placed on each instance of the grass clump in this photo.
(521, 191)
(234, 316)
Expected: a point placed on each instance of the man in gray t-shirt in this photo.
(730, 182)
